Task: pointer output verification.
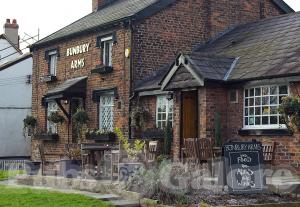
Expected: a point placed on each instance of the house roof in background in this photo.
(3, 36)
(115, 12)
(15, 61)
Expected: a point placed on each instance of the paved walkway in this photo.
(112, 198)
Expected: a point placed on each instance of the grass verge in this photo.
(25, 197)
(4, 175)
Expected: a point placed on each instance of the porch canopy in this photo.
(72, 88)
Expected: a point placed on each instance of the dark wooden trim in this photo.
(99, 43)
(264, 132)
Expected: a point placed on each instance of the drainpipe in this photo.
(131, 76)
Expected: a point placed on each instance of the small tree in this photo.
(290, 111)
(80, 119)
(133, 150)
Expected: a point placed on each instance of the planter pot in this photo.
(70, 168)
(32, 168)
(47, 137)
(111, 137)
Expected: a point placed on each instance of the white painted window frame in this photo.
(269, 126)
(53, 62)
(105, 50)
(169, 104)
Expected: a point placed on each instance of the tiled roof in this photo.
(112, 13)
(266, 48)
(152, 82)
(210, 67)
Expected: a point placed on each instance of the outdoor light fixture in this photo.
(127, 52)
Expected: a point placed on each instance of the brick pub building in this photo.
(173, 58)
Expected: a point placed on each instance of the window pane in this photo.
(274, 120)
(246, 121)
(283, 90)
(257, 92)
(252, 92)
(251, 111)
(251, 120)
(246, 112)
(246, 102)
(265, 110)
(258, 111)
(265, 120)
(273, 110)
(246, 93)
(251, 102)
(265, 101)
(273, 90)
(265, 91)
(273, 100)
(258, 101)
(257, 121)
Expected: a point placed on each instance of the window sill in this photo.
(264, 132)
(103, 69)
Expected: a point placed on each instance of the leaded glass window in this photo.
(51, 127)
(106, 115)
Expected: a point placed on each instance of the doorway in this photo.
(189, 121)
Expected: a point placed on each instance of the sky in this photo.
(48, 16)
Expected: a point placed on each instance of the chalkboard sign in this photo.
(243, 164)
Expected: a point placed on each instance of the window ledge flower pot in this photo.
(48, 136)
(110, 137)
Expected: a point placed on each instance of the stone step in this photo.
(125, 203)
(104, 197)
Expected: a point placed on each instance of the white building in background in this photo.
(15, 94)
(9, 42)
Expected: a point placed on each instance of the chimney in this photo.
(11, 30)
(96, 4)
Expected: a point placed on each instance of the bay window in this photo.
(164, 112)
(261, 107)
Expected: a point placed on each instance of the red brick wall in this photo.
(118, 78)
(185, 24)
(287, 148)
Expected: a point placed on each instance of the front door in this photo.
(189, 114)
